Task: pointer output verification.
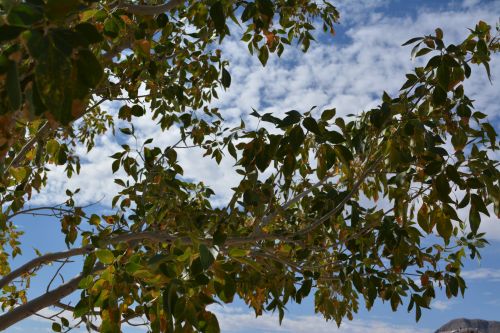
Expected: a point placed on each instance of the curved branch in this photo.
(268, 218)
(70, 308)
(25, 310)
(127, 238)
(37, 262)
(341, 204)
(42, 132)
(31, 210)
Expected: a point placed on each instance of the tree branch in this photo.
(70, 308)
(52, 297)
(267, 219)
(127, 238)
(37, 262)
(341, 204)
(42, 132)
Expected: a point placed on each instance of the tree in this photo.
(299, 228)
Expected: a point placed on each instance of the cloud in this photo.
(491, 274)
(441, 305)
(241, 320)
(349, 75)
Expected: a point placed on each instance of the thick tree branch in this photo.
(52, 297)
(37, 262)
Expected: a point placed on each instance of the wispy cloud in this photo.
(242, 321)
(347, 75)
(442, 305)
(491, 274)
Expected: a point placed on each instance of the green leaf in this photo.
(474, 219)
(212, 325)
(490, 131)
(296, 137)
(219, 236)
(418, 313)
(52, 147)
(226, 78)
(459, 140)
(412, 40)
(105, 256)
(444, 226)
(439, 96)
(443, 75)
(8, 32)
(206, 256)
(422, 52)
(328, 114)
(236, 253)
(57, 9)
(334, 137)
(54, 83)
(86, 282)
(423, 219)
(88, 14)
(232, 150)
(452, 174)
(95, 220)
(24, 15)
(311, 125)
(344, 153)
(19, 174)
(442, 187)
(81, 308)
(111, 27)
(13, 86)
(292, 117)
(218, 17)
(89, 33)
(90, 71)
(263, 55)
(56, 327)
(478, 204)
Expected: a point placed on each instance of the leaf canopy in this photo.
(305, 217)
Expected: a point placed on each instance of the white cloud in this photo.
(441, 305)
(240, 320)
(491, 274)
(349, 76)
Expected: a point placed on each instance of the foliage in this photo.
(304, 218)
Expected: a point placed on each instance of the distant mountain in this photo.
(463, 325)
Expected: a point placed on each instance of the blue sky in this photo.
(349, 72)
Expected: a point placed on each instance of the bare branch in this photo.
(341, 204)
(21, 155)
(56, 273)
(70, 308)
(37, 262)
(31, 210)
(268, 218)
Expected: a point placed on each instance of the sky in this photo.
(349, 72)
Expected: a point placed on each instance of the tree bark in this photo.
(35, 263)
(24, 311)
